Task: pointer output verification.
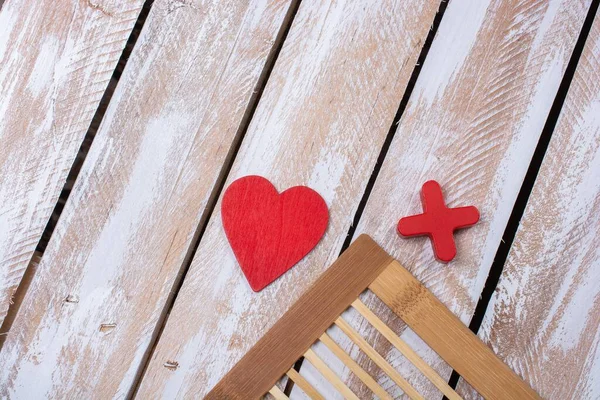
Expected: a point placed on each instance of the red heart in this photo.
(270, 232)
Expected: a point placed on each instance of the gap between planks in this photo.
(31, 268)
(218, 188)
(388, 140)
(373, 97)
(520, 204)
(567, 192)
(255, 31)
(455, 285)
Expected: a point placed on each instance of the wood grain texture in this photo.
(304, 385)
(278, 393)
(354, 367)
(472, 124)
(55, 64)
(321, 122)
(294, 333)
(448, 336)
(544, 317)
(270, 231)
(378, 359)
(328, 373)
(406, 351)
(100, 289)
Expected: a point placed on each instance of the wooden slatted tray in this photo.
(366, 266)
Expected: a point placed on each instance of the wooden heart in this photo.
(269, 232)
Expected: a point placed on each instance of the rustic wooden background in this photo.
(121, 121)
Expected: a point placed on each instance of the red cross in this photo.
(438, 221)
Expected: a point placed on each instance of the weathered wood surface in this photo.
(544, 317)
(101, 287)
(55, 64)
(472, 124)
(322, 120)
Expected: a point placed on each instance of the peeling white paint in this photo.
(453, 44)
(43, 67)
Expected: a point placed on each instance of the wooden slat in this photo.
(55, 64)
(405, 349)
(123, 236)
(304, 322)
(472, 123)
(277, 393)
(376, 357)
(544, 317)
(340, 386)
(448, 336)
(354, 367)
(321, 122)
(303, 384)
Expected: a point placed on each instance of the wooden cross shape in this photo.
(438, 221)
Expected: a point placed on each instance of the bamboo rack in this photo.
(364, 265)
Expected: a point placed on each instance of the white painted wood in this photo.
(321, 122)
(472, 124)
(55, 64)
(544, 317)
(98, 294)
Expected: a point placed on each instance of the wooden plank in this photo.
(544, 317)
(321, 122)
(124, 234)
(448, 336)
(305, 321)
(472, 123)
(55, 64)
